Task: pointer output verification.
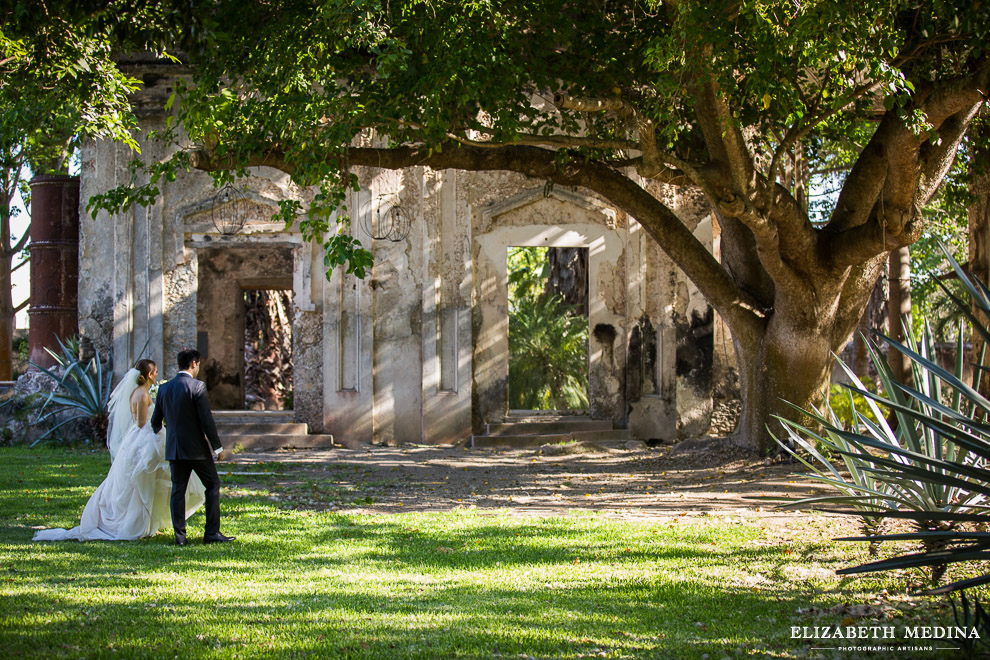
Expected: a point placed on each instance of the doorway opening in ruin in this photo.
(268, 349)
(548, 329)
(228, 277)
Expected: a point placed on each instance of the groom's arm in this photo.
(205, 416)
(158, 416)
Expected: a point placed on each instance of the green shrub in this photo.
(548, 356)
(845, 403)
(548, 340)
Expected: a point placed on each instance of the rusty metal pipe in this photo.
(53, 313)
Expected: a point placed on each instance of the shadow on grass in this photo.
(446, 585)
(395, 598)
(308, 584)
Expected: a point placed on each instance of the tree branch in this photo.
(24, 304)
(794, 134)
(862, 186)
(766, 209)
(650, 165)
(725, 131)
(557, 141)
(584, 104)
(936, 159)
(901, 198)
(956, 95)
(864, 242)
(22, 242)
(888, 165)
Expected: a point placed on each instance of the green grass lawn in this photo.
(300, 582)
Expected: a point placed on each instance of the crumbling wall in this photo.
(694, 324)
(539, 217)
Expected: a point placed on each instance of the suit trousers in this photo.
(206, 470)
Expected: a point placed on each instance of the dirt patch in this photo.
(701, 480)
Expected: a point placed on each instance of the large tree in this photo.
(60, 85)
(729, 98)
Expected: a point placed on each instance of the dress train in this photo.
(133, 500)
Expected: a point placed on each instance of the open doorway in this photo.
(548, 329)
(268, 367)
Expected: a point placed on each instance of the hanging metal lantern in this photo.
(224, 213)
(394, 224)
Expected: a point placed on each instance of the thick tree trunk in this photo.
(788, 359)
(979, 247)
(6, 322)
(787, 365)
(8, 183)
(899, 310)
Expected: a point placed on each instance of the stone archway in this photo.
(224, 274)
(560, 219)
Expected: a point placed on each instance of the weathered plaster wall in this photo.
(446, 305)
(120, 295)
(558, 219)
(180, 286)
(397, 282)
(651, 377)
(139, 270)
(694, 324)
(96, 253)
(347, 343)
(397, 360)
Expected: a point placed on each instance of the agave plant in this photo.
(971, 616)
(932, 467)
(82, 391)
(862, 490)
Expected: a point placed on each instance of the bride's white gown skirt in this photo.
(133, 501)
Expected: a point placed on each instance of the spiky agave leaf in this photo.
(933, 465)
(82, 390)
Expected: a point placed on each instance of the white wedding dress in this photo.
(133, 500)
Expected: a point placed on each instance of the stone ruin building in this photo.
(417, 351)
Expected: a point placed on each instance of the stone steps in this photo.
(522, 429)
(562, 425)
(263, 428)
(259, 430)
(253, 416)
(266, 441)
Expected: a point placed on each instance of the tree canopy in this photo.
(731, 98)
(59, 84)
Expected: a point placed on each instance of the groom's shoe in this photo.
(217, 538)
(180, 540)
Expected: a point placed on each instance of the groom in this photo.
(190, 444)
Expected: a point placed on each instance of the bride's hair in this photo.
(144, 368)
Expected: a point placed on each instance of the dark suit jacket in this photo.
(189, 427)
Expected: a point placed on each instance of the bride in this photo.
(133, 500)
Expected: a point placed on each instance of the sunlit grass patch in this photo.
(303, 582)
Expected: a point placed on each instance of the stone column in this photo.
(54, 264)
